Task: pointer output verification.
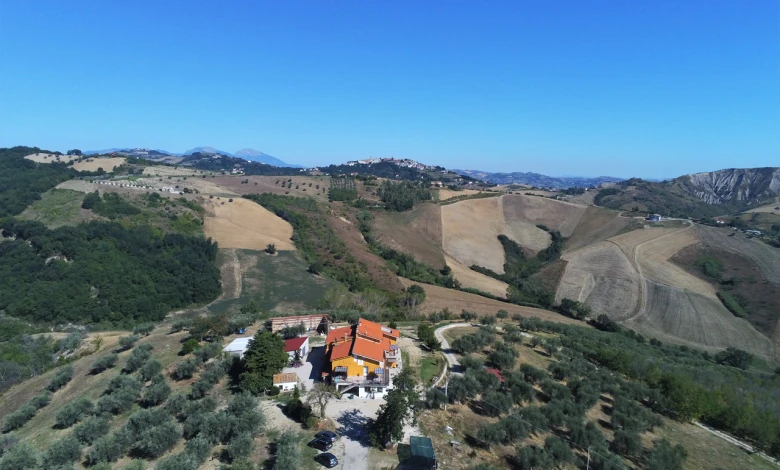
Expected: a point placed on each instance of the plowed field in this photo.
(533, 210)
(475, 280)
(245, 224)
(417, 231)
(596, 224)
(470, 230)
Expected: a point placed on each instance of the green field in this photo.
(279, 282)
(430, 367)
(55, 208)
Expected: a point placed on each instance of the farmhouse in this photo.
(286, 381)
(237, 347)
(299, 346)
(310, 322)
(361, 357)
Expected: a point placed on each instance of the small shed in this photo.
(237, 347)
(423, 456)
(286, 381)
(299, 345)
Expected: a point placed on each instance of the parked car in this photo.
(327, 460)
(329, 436)
(321, 444)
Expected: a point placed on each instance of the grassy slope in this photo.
(58, 207)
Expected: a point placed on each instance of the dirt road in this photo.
(449, 354)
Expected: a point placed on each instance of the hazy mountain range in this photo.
(538, 180)
(246, 153)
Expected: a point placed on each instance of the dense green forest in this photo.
(518, 269)
(401, 196)
(207, 161)
(22, 181)
(101, 272)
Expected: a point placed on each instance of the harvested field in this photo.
(93, 164)
(51, 158)
(445, 194)
(773, 206)
(417, 231)
(766, 257)
(556, 215)
(587, 198)
(475, 280)
(438, 298)
(267, 184)
(602, 277)
(199, 185)
(245, 224)
(470, 230)
(653, 257)
(596, 224)
(680, 316)
(58, 207)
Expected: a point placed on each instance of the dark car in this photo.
(329, 436)
(327, 459)
(321, 444)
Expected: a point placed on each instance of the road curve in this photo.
(449, 354)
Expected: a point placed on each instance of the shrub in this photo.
(106, 449)
(127, 342)
(18, 418)
(189, 346)
(471, 362)
(241, 446)
(626, 443)
(155, 394)
(20, 457)
(62, 452)
(137, 359)
(180, 325)
(182, 461)
(155, 441)
(149, 370)
(60, 379)
(106, 362)
(72, 412)
(176, 405)
(91, 429)
(497, 403)
(186, 369)
(40, 400)
(143, 329)
(209, 351)
(287, 451)
(199, 449)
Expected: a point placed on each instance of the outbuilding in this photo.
(237, 347)
(297, 345)
(286, 381)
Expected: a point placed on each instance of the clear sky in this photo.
(621, 88)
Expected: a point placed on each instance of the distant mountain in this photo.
(535, 179)
(207, 150)
(698, 195)
(258, 156)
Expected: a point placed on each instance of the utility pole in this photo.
(588, 465)
(446, 389)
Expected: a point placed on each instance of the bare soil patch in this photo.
(92, 164)
(654, 255)
(557, 215)
(445, 194)
(245, 224)
(300, 185)
(475, 280)
(596, 224)
(51, 158)
(679, 316)
(471, 228)
(437, 298)
(418, 231)
(601, 276)
(742, 278)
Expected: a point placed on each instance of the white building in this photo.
(237, 347)
(286, 381)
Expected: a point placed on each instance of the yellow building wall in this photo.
(353, 369)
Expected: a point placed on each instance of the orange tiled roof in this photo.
(340, 350)
(338, 334)
(370, 349)
(375, 330)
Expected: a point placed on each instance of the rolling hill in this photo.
(538, 180)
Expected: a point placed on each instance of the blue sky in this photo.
(652, 89)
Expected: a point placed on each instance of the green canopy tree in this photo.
(264, 358)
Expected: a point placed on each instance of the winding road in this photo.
(449, 354)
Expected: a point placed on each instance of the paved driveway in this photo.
(446, 349)
(311, 370)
